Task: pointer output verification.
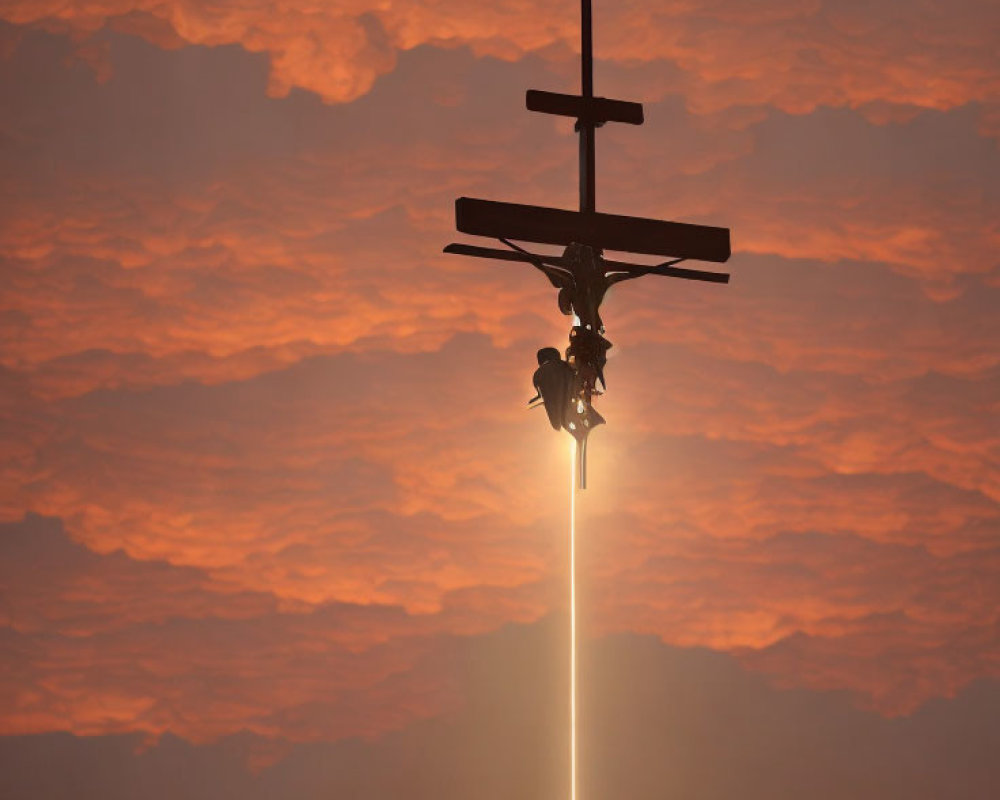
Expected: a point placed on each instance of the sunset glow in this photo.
(274, 520)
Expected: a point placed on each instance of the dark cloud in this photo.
(53, 585)
(103, 643)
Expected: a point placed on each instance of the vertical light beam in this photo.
(572, 619)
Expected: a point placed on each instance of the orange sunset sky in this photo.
(274, 521)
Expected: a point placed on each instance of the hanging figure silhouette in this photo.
(581, 274)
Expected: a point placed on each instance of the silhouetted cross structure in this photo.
(582, 274)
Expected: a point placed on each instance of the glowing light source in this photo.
(572, 619)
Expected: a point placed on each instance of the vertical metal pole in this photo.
(587, 204)
(588, 158)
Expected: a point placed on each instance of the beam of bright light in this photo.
(572, 620)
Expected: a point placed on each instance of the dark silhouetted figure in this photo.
(553, 382)
(558, 387)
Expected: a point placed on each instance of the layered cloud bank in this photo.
(277, 440)
(659, 721)
(793, 54)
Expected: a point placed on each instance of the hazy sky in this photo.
(268, 484)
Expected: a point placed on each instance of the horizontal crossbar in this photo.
(633, 270)
(606, 231)
(595, 110)
(459, 249)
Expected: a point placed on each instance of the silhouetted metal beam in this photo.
(637, 271)
(459, 249)
(607, 231)
(595, 110)
(587, 130)
(633, 270)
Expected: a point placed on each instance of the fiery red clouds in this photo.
(284, 435)
(795, 55)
